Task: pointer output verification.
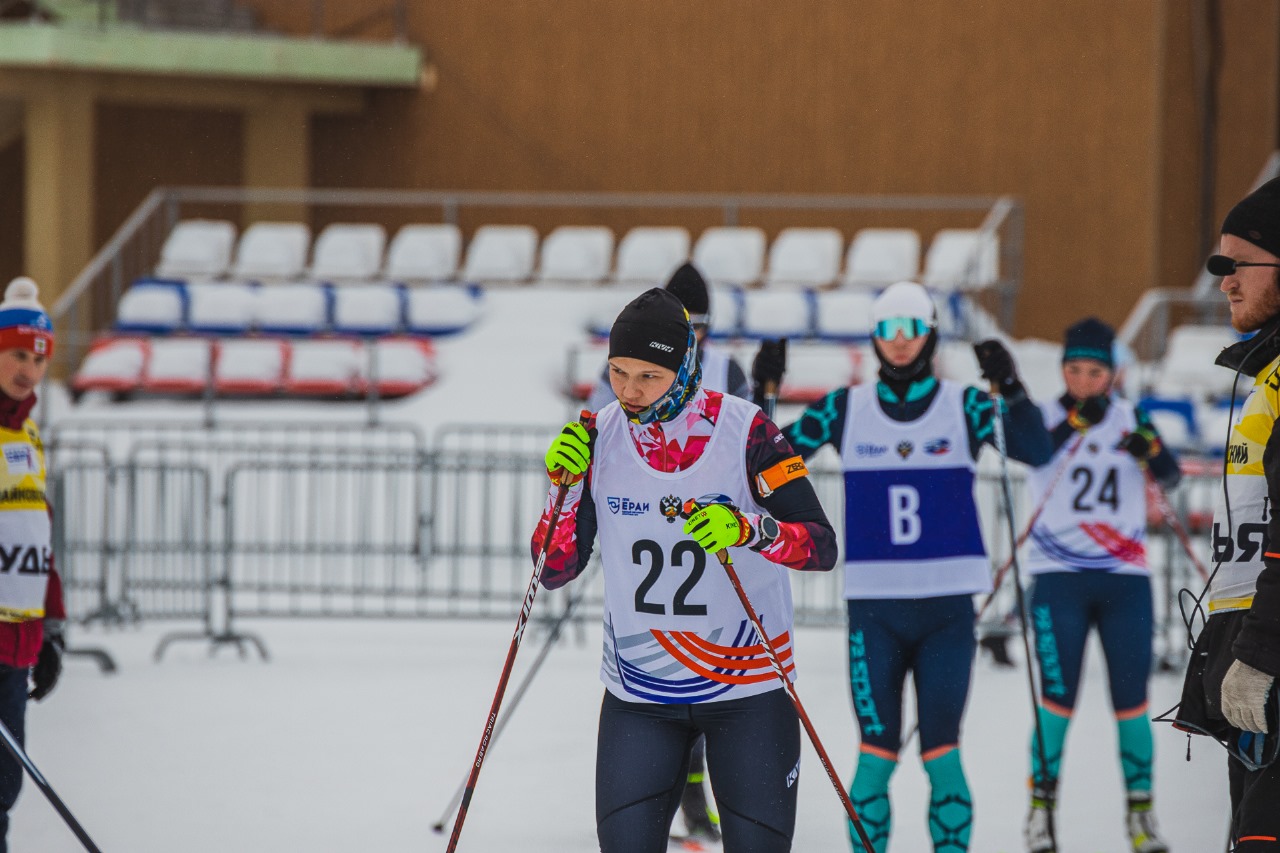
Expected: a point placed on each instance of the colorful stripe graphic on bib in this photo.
(1078, 547)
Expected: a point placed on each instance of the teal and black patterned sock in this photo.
(1054, 726)
(950, 805)
(870, 796)
(1135, 751)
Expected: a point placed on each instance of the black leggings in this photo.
(642, 761)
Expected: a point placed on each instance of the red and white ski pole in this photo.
(1031, 523)
(565, 484)
(772, 653)
(1175, 524)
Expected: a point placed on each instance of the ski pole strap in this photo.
(768, 482)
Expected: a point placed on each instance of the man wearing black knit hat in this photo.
(1230, 689)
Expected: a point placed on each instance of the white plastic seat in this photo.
(813, 369)
(293, 309)
(804, 257)
(776, 314)
(1187, 367)
(421, 253)
(153, 307)
(503, 253)
(1040, 367)
(113, 365)
(199, 248)
(400, 366)
(733, 255)
(579, 254)
(881, 256)
(348, 252)
(178, 365)
(249, 366)
(726, 310)
(272, 251)
(843, 315)
(961, 259)
(651, 254)
(221, 307)
(441, 309)
(324, 367)
(368, 309)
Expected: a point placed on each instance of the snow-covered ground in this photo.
(356, 734)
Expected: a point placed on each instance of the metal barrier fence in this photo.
(302, 521)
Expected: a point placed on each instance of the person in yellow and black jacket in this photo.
(31, 607)
(1230, 688)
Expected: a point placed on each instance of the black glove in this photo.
(44, 675)
(1140, 444)
(1088, 412)
(769, 364)
(997, 366)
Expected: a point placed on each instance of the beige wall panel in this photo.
(12, 228)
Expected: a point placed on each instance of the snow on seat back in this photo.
(293, 309)
(401, 366)
(955, 361)
(324, 368)
(730, 254)
(726, 310)
(178, 365)
(272, 251)
(1188, 369)
(576, 254)
(804, 257)
(442, 309)
(816, 368)
(152, 306)
(348, 252)
(843, 315)
(961, 259)
(421, 253)
(368, 309)
(606, 305)
(501, 253)
(197, 248)
(1175, 420)
(776, 314)
(115, 364)
(221, 307)
(881, 256)
(1040, 367)
(649, 255)
(250, 366)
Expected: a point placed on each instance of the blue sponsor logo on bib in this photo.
(626, 506)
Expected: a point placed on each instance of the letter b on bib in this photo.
(904, 515)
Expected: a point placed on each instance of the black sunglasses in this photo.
(1221, 265)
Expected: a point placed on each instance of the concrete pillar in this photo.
(59, 128)
(277, 153)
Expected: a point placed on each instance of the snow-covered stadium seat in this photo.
(650, 254)
(730, 254)
(607, 304)
(197, 248)
(843, 315)
(501, 253)
(1040, 367)
(442, 309)
(368, 309)
(302, 308)
(726, 310)
(221, 307)
(586, 360)
(955, 361)
(272, 251)
(881, 256)
(330, 368)
(813, 369)
(113, 364)
(178, 365)
(578, 254)
(1187, 367)
(152, 306)
(420, 253)
(400, 366)
(961, 259)
(250, 366)
(777, 314)
(348, 252)
(1175, 420)
(804, 257)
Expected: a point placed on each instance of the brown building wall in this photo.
(1081, 108)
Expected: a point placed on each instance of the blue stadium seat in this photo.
(153, 306)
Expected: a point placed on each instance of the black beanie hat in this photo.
(654, 327)
(690, 288)
(1256, 217)
(1090, 338)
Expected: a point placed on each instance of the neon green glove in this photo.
(570, 453)
(717, 526)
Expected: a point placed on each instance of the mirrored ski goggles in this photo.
(909, 327)
(1221, 265)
